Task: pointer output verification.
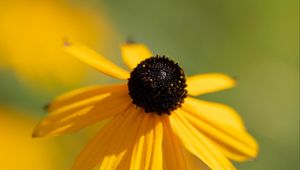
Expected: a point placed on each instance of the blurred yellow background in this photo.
(255, 41)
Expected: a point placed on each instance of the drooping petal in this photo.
(174, 157)
(229, 136)
(134, 53)
(72, 97)
(83, 94)
(197, 143)
(75, 111)
(147, 152)
(112, 143)
(214, 113)
(96, 60)
(208, 83)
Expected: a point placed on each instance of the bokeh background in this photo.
(255, 41)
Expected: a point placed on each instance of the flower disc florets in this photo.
(157, 85)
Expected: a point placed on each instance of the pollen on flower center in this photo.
(157, 85)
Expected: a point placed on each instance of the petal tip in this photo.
(232, 80)
(255, 150)
(38, 131)
(66, 42)
(130, 40)
(46, 106)
(36, 134)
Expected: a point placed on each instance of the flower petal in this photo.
(213, 113)
(121, 142)
(110, 145)
(83, 94)
(147, 152)
(193, 162)
(174, 157)
(134, 53)
(148, 141)
(156, 160)
(198, 144)
(233, 140)
(77, 110)
(140, 153)
(96, 60)
(208, 83)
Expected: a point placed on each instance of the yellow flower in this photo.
(154, 116)
(31, 33)
(18, 150)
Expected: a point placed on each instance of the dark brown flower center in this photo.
(157, 85)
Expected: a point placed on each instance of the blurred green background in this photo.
(255, 41)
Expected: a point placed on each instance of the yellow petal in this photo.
(121, 141)
(71, 113)
(139, 153)
(174, 157)
(208, 83)
(96, 60)
(83, 94)
(148, 142)
(147, 152)
(110, 145)
(232, 141)
(197, 143)
(156, 159)
(193, 162)
(213, 113)
(134, 53)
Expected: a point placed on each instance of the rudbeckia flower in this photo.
(31, 33)
(18, 150)
(154, 116)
